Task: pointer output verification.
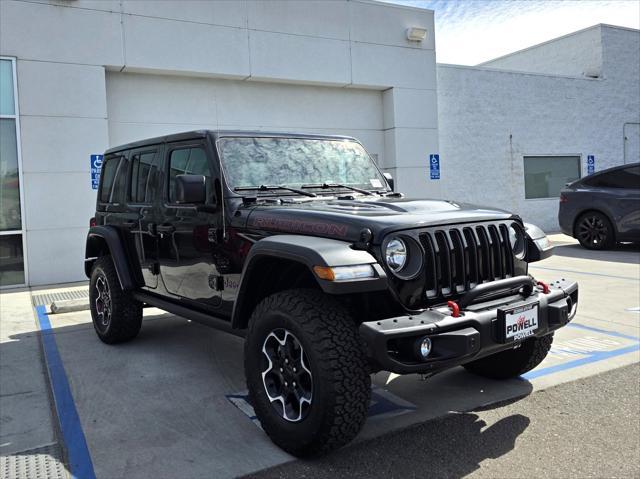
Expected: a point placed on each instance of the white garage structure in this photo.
(94, 74)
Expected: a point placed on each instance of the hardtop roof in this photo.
(215, 134)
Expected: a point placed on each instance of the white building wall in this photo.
(489, 119)
(89, 72)
(577, 54)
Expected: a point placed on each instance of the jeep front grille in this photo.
(459, 258)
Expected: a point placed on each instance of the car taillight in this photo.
(92, 222)
(563, 199)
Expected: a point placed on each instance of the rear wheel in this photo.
(117, 317)
(594, 231)
(306, 371)
(514, 362)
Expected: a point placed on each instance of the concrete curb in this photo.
(69, 305)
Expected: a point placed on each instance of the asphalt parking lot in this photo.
(171, 403)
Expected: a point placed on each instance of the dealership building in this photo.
(79, 76)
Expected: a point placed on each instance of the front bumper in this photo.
(473, 335)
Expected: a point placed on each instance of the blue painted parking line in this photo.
(72, 434)
(591, 356)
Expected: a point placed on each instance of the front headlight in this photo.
(517, 241)
(395, 254)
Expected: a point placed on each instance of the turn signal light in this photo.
(344, 273)
(92, 222)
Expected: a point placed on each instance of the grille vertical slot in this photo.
(459, 258)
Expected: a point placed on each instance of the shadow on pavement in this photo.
(627, 253)
(452, 447)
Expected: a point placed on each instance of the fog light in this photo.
(424, 347)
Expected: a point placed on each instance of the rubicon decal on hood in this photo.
(299, 226)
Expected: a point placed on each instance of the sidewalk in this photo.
(28, 440)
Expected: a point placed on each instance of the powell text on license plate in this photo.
(521, 322)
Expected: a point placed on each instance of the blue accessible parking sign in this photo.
(591, 164)
(96, 166)
(434, 166)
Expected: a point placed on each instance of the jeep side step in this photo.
(197, 316)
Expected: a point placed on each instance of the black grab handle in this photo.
(524, 282)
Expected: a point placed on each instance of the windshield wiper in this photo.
(325, 186)
(274, 187)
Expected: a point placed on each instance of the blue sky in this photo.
(469, 32)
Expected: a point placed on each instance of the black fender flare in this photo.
(308, 251)
(103, 240)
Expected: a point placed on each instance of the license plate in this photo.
(520, 322)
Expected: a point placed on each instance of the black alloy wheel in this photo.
(594, 231)
(287, 378)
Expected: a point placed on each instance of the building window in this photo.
(12, 260)
(545, 176)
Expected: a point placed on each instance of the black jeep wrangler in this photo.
(300, 244)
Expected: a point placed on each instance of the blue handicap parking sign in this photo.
(96, 166)
(591, 164)
(434, 166)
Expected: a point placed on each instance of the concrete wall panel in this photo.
(184, 46)
(66, 200)
(231, 13)
(56, 256)
(382, 66)
(34, 31)
(56, 145)
(309, 18)
(58, 89)
(299, 58)
(375, 23)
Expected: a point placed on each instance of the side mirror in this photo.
(191, 189)
(389, 179)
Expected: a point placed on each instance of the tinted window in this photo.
(109, 168)
(545, 176)
(623, 178)
(188, 161)
(144, 171)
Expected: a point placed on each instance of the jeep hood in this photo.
(345, 218)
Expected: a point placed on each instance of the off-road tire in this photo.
(340, 371)
(514, 362)
(594, 219)
(126, 313)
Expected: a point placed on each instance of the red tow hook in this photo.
(455, 309)
(544, 286)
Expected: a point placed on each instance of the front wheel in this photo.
(307, 372)
(514, 362)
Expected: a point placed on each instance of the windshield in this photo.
(297, 162)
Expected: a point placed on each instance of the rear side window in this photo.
(144, 171)
(626, 178)
(108, 174)
(188, 161)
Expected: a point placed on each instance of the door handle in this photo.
(130, 224)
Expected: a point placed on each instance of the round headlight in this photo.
(396, 254)
(517, 241)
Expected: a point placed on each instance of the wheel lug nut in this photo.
(281, 370)
(294, 384)
(295, 370)
(286, 360)
(286, 383)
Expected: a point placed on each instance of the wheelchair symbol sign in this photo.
(434, 166)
